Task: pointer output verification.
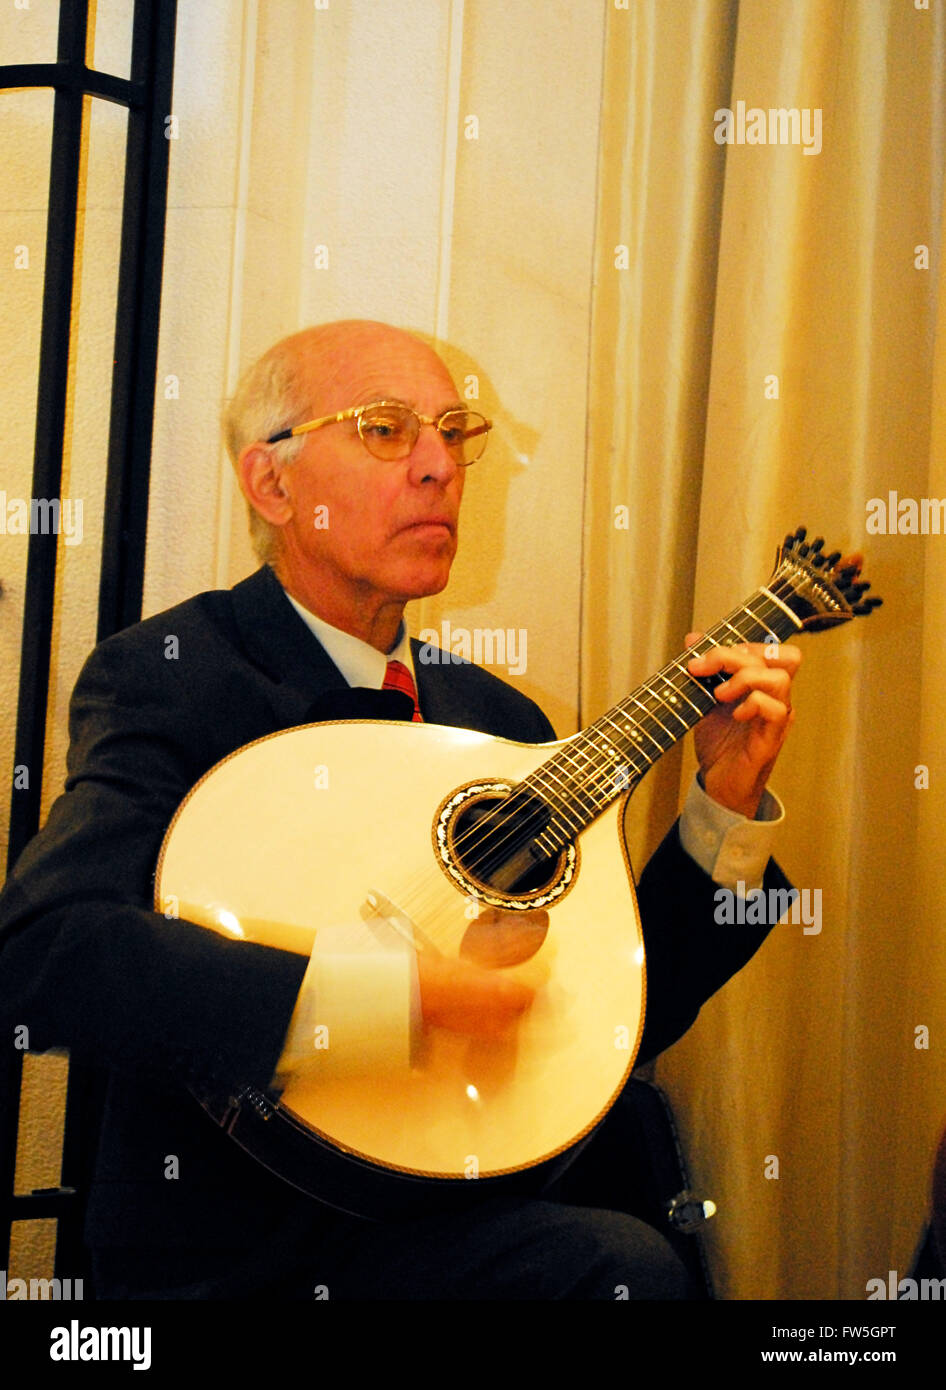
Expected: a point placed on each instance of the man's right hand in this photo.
(467, 999)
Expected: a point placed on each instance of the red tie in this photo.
(398, 677)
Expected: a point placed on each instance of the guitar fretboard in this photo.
(610, 756)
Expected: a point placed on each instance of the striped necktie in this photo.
(398, 677)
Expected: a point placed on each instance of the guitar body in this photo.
(369, 838)
(290, 835)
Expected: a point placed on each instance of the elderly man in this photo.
(360, 420)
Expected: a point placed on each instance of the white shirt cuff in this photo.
(727, 846)
(358, 1007)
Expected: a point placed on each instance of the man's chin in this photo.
(424, 580)
(427, 588)
(427, 569)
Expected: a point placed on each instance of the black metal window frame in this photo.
(147, 95)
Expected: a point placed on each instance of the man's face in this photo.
(387, 530)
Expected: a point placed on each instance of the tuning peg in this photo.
(818, 544)
(819, 561)
(864, 609)
(832, 559)
(801, 533)
(803, 550)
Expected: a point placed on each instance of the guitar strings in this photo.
(419, 898)
(597, 778)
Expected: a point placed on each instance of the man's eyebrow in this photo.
(372, 398)
(409, 405)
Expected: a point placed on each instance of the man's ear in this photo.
(259, 476)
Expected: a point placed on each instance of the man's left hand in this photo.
(738, 742)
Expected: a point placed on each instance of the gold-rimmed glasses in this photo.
(389, 430)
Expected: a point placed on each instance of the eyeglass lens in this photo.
(390, 432)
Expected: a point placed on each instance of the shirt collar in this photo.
(359, 662)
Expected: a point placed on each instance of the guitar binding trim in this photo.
(564, 868)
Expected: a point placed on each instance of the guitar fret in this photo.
(605, 786)
(623, 732)
(596, 766)
(658, 722)
(560, 809)
(634, 733)
(579, 751)
(613, 776)
(727, 623)
(757, 625)
(553, 801)
(563, 833)
(603, 774)
(566, 806)
(666, 704)
(583, 771)
(695, 685)
(796, 622)
(586, 748)
(645, 732)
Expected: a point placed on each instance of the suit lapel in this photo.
(308, 686)
(277, 641)
(441, 694)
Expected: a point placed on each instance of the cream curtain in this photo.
(771, 355)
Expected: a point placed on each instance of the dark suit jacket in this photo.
(88, 965)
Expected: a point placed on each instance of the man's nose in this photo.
(431, 458)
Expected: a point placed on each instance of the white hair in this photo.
(269, 397)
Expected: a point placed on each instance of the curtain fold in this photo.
(765, 360)
(652, 327)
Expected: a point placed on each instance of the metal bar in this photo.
(50, 425)
(137, 322)
(40, 1206)
(148, 98)
(11, 1076)
(73, 77)
(85, 1103)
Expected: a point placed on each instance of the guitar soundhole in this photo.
(489, 842)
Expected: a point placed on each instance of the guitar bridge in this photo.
(376, 904)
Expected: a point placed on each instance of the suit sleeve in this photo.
(85, 962)
(689, 955)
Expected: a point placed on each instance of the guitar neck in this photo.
(605, 760)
